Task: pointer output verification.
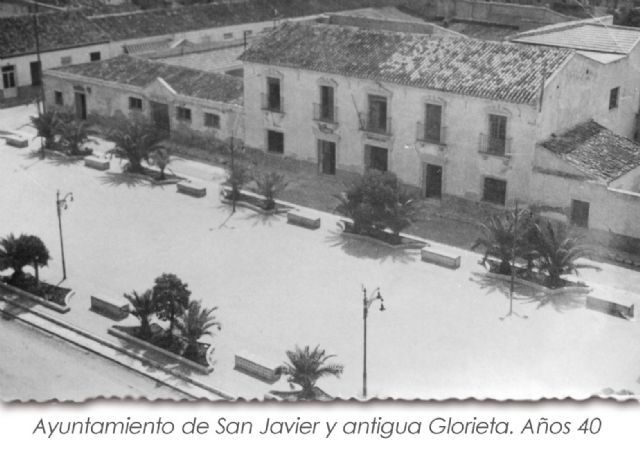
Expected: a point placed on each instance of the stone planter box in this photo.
(46, 303)
(280, 207)
(107, 307)
(407, 242)
(192, 189)
(541, 288)
(440, 256)
(256, 367)
(304, 218)
(94, 162)
(178, 358)
(611, 306)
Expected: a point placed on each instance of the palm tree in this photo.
(270, 185)
(74, 134)
(161, 156)
(47, 125)
(143, 308)
(498, 237)
(557, 251)
(306, 366)
(195, 323)
(134, 139)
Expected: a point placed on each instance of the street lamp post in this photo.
(366, 303)
(61, 203)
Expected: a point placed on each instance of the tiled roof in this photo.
(494, 70)
(168, 21)
(596, 151)
(584, 36)
(140, 72)
(91, 6)
(56, 31)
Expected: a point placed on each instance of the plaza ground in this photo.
(278, 285)
(38, 366)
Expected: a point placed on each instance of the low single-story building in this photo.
(592, 176)
(177, 99)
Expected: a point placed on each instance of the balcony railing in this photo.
(431, 137)
(377, 126)
(495, 146)
(272, 104)
(325, 113)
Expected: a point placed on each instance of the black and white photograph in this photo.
(319, 200)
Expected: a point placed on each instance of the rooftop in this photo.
(164, 21)
(140, 72)
(596, 151)
(494, 70)
(592, 36)
(57, 31)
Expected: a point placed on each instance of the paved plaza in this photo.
(278, 285)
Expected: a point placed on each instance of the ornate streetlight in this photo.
(61, 204)
(367, 300)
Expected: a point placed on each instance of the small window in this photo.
(495, 191)
(580, 213)
(376, 158)
(94, 56)
(273, 99)
(211, 120)
(184, 114)
(228, 35)
(58, 98)
(135, 103)
(9, 76)
(65, 60)
(614, 94)
(275, 141)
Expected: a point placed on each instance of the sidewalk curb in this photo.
(117, 348)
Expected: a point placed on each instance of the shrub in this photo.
(144, 307)
(239, 176)
(377, 201)
(306, 366)
(160, 156)
(270, 185)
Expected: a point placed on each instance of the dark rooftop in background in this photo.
(596, 151)
(57, 31)
(485, 69)
(140, 72)
(167, 21)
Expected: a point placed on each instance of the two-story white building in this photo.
(450, 116)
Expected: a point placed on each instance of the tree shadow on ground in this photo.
(527, 295)
(127, 179)
(263, 219)
(364, 249)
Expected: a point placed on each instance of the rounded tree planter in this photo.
(406, 242)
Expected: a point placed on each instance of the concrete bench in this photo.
(304, 218)
(611, 306)
(94, 162)
(15, 138)
(109, 308)
(255, 367)
(192, 189)
(440, 256)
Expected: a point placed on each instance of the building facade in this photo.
(451, 117)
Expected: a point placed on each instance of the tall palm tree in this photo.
(306, 366)
(144, 307)
(47, 125)
(195, 323)
(18, 252)
(134, 139)
(557, 251)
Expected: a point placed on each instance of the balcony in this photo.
(325, 113)
(495, 146)
(375, 125)
(428, 136)
(272, 104)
